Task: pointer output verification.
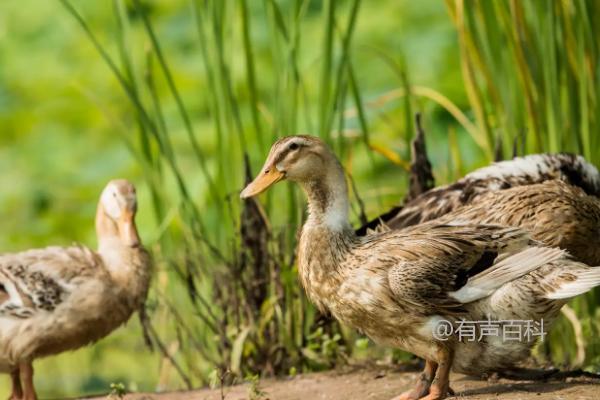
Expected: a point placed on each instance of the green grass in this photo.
(531, 72)
(210, 261)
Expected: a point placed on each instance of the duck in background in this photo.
(556, 197)
(58, 299)
(398, 286)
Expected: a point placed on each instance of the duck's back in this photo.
(554, 212)
(519, 172)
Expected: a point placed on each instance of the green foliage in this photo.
(254, 390)
(323, 350)
(531, 73)
(117, 391)
(237, 274)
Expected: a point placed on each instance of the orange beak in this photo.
(267, 178)
(127, 229)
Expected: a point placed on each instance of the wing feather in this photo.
(38, 281)
(454, 265)
(504, 271)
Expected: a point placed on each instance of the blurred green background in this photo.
(519, 73)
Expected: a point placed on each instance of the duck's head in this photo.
(118, 206)
(297, 158)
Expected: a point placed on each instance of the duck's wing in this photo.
(521, 171)
(38, 281)
(436, 269)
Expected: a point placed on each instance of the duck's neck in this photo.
(327, 235)
(128, 266)
(328, 201)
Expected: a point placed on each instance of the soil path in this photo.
(383, 384)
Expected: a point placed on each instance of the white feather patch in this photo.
(521, 166)
(431, 325)
(110, 202)
(13, 294)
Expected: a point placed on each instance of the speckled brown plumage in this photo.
(555, 197)
(397, 285)
(61, 298)
(519, 172)
(554, 212)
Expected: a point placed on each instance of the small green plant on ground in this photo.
(254, 390)
(117, 391)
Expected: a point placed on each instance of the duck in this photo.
(57, 299)
(521, 172)
(400, 286)
(556, 197)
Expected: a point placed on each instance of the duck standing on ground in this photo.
(62, 298)
(399, 286)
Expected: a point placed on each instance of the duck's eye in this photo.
(294, 146)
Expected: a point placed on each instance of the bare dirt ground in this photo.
(383, 384)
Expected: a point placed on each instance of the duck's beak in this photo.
(268, 177)
(127, 229)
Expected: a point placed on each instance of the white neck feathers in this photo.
(328, 201)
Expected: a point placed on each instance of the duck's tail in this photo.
(576, 171)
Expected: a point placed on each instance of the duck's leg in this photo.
(423, 383)
(17, 390)
(26, 372)
(440, 386)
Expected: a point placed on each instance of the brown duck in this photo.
(556, 197)
(399, 286)
(62, 298)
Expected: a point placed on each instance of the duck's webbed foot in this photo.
(17, 390)
(423, 384)
(437, 391)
